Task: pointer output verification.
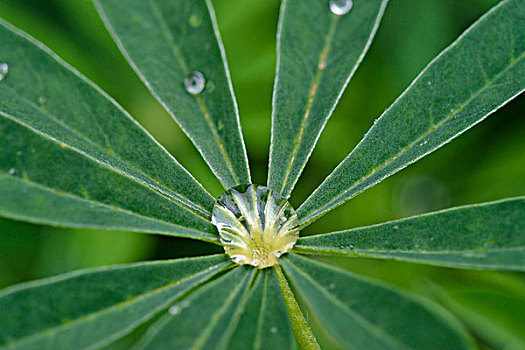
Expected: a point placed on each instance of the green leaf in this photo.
(165, 41)
(206, 318)
(362, 314)
(485, 236)
(317, 54)
(91, 308)
(71, 156)
(473, 77)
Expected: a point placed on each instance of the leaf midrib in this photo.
(47, 332)
(407, 148)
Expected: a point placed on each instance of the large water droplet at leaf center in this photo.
(256, 225)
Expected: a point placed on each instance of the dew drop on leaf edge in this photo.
(4, 69)
(340, 7)
(195, 82)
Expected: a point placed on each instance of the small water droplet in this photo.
(331, 286)
(19, 153)
(195, 83)
(12, 171)
(340, 7)
(273, 330)
(175, 309)
(4, 69)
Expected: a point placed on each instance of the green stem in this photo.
(301, 329)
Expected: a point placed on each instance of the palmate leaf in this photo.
(89, 309)
(473, 77)
(486, 236)
(317, 54)
(60, 160)
(240, 309)
(358, 313)
(71, 156)
(165, 41)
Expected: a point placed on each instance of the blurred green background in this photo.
(487, 163)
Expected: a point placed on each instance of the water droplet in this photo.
(175, 309)
(256, 225)
(340, 7)
(12, 171)
(4, 69)
(195, 83)
(19, 153)
(273, 330)
(331, 286)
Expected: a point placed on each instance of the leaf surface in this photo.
(485, 236)
(166, 41)
(362, 314)
(317, 54)
(71, 156)
(477, 74)
(90, 308)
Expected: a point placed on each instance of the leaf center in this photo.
(256, 225)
